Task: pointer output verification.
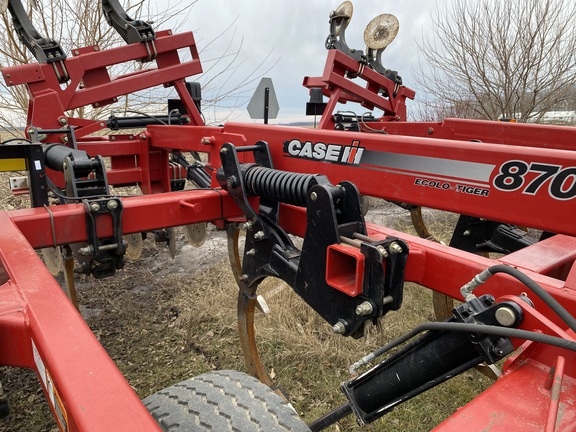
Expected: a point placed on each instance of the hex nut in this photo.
(364, 308)
(395, 248)
(382, 251)
(339, 328)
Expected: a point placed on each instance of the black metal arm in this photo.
(45, 50)
(131, 30)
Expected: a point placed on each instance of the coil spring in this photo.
(282, 186)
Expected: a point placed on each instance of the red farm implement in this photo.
(280, 182)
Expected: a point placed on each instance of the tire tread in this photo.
(222, 401)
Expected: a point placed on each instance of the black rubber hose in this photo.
(550, 301)
(469, 328)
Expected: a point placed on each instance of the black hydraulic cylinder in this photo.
(55, 155)
(135, 122)
(424, 363)
(200, 177)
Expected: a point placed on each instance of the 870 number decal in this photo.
(515, 175)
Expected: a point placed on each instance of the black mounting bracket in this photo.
(479, 235)
(339, 20)
(85, 177)
(374, 59)
(334, 216)
(107, 255)
(31, 158)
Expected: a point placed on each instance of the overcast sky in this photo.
(293, 33)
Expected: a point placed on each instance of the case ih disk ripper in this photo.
(276, 182)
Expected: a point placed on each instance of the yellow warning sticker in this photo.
(18, 164)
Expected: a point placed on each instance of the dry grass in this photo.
(164, 320)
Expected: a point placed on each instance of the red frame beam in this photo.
(41, 330)
(91, 84)
(339, 88)
(140, 214)
(404, 168)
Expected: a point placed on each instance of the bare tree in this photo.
(79, 23)
(501, 59)
(72, 23)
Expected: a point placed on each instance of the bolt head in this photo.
(224, 150)
(313, 196)
(95, 207)
(259, 235)
(112, 205)
(62, 121)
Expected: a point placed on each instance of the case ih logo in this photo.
(334, 153)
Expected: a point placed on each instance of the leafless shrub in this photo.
(489, 59)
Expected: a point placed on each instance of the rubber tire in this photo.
(222, 401)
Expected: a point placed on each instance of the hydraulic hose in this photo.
(550, 301)
(468, 328)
